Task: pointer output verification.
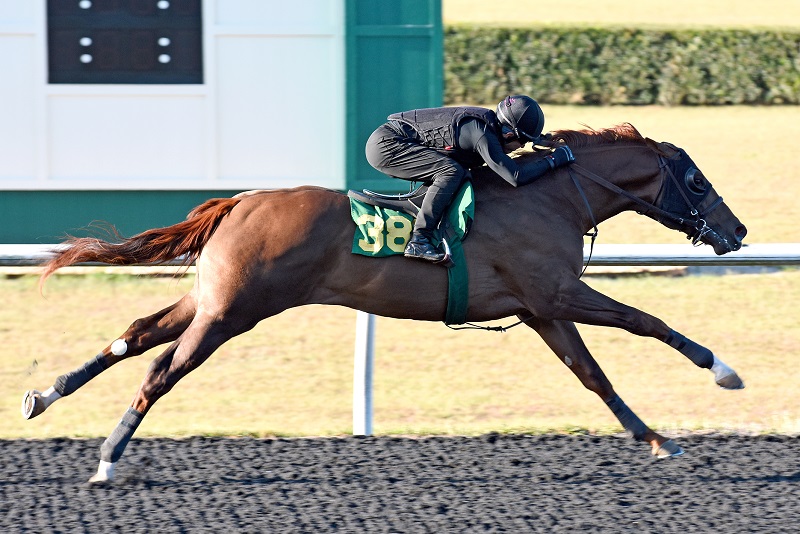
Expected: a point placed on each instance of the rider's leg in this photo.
(401, 157)
(440, 193)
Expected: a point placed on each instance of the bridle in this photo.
(695, 221)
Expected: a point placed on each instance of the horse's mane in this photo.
(590, 137)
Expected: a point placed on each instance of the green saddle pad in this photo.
(382, 232)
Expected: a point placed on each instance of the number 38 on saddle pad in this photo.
(383, 228)
(385, 222)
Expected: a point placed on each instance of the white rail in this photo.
(686, 255)
(604, 255)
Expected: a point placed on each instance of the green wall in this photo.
(394, 63)
(44, 217)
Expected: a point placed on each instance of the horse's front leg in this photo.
(564, 340)
(580, 303)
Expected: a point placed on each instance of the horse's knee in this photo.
(590, 375)
(644, 324)
(596, 381)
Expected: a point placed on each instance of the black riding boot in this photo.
(420, 246)
(434, 205)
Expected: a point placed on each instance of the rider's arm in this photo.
(475, 135)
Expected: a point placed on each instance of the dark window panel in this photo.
(125, 41)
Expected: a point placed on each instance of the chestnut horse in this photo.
(262, 252)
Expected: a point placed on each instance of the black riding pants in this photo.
(402, 157)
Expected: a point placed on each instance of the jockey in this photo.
(438, 146)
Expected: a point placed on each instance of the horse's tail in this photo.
(155, 246)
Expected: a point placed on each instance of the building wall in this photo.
(290, 94)
(269, 74)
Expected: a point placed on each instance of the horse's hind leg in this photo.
(191, 349)
(142, 335)
(565, 341)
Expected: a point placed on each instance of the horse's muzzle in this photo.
(723, 245)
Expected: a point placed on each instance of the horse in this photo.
(262, 252)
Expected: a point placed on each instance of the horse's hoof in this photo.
(105, 473)
(668, 449)
(32, 404)
(98, 480)
(730, 381)
(724, 376)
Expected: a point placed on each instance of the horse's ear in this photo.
(665, 149)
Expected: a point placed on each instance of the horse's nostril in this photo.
(740, 232)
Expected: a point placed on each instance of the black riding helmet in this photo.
(522, 115)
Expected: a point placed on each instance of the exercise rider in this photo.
(438, 146)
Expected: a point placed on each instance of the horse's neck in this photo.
(632, 168)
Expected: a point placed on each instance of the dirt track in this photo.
(491, 483)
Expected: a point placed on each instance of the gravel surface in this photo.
(492, 483)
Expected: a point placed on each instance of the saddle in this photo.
(408, 203)
(383, 227)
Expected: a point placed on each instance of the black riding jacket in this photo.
(469, 135)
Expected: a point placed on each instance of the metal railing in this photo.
(604, 255)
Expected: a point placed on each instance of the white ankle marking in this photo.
(119, 347)
(105, 471)
(720, 370)
(49, 396)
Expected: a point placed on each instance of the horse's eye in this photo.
(695, 181)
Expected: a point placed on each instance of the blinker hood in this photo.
(684, 187)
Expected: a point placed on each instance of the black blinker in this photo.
(695, 181)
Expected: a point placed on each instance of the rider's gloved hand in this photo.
(560, 156)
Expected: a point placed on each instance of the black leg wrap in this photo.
(630, 422)
(114, 445)
(70, 382)
(700, 356)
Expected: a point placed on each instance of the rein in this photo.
(699, 222)
(647, 208)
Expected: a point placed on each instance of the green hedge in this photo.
(622, 66)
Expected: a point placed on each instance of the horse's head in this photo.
(687, 202)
